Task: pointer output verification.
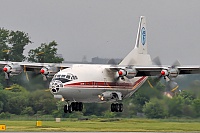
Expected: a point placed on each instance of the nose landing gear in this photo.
(116, 107)
(74, 106)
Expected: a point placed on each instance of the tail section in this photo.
(141, 41)
(139, 55)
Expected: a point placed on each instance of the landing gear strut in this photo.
(74, 106)
(116, 107)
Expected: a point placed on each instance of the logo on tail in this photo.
(143, 36)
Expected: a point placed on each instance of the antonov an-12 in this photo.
(88, 83)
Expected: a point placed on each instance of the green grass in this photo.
(120, 125)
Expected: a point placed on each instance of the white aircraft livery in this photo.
(88, 83)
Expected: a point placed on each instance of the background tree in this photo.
(45, 53)
(18, 41)
(12, 45)
(154, 109)
(4, 37)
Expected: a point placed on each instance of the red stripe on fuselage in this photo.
(93, 84)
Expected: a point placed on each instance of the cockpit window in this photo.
(62, 76)
(65, 78)
(58, 76)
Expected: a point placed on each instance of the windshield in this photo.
(65, 78)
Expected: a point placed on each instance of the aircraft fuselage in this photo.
(86, 82)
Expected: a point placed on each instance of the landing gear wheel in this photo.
(65, 109)
(118, 107)
(70, 109)
(112, 108)
(75, 106)
(80, 106)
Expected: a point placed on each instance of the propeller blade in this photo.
(27, 77)
(175, 64)
(154, 81)
(44, 77)
(156, 61)
(171, 86)
(6, 75)
(7, 78)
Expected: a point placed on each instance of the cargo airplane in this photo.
(87, 83)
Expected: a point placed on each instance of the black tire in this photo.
(70, 109)
(80, 108)
(65, 109)
(120, 107)
(76, 106)
(116, 107)
(112, 107)
(73, 106)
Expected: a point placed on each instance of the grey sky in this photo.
(107, 28)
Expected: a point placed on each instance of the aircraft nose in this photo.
(55, 86)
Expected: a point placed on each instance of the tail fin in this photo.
(141, 40)
(139, 55)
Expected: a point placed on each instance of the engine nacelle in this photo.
(49, 71)
(129, 73)
(109, 95)
(173, 73)
(12, 69)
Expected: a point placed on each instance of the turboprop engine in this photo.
(128, 72)
(12, 69)
(170, 73)
(48, 72)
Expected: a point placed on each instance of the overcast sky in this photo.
(107, 28)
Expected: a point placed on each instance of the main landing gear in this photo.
(116, 107)
(74, 106)
(78, 106)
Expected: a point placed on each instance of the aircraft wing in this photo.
(46, 69)
(30, 66)
(156, 70)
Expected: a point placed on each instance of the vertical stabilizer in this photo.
(141, 40)
(139, 55)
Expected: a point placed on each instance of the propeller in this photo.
(168, 73)
(122, 72)
(7, 72)
(44, 72)
(154, 81)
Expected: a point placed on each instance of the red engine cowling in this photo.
(129, 73)
(12, 69)
(49, 71)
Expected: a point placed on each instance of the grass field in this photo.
(120, 125)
